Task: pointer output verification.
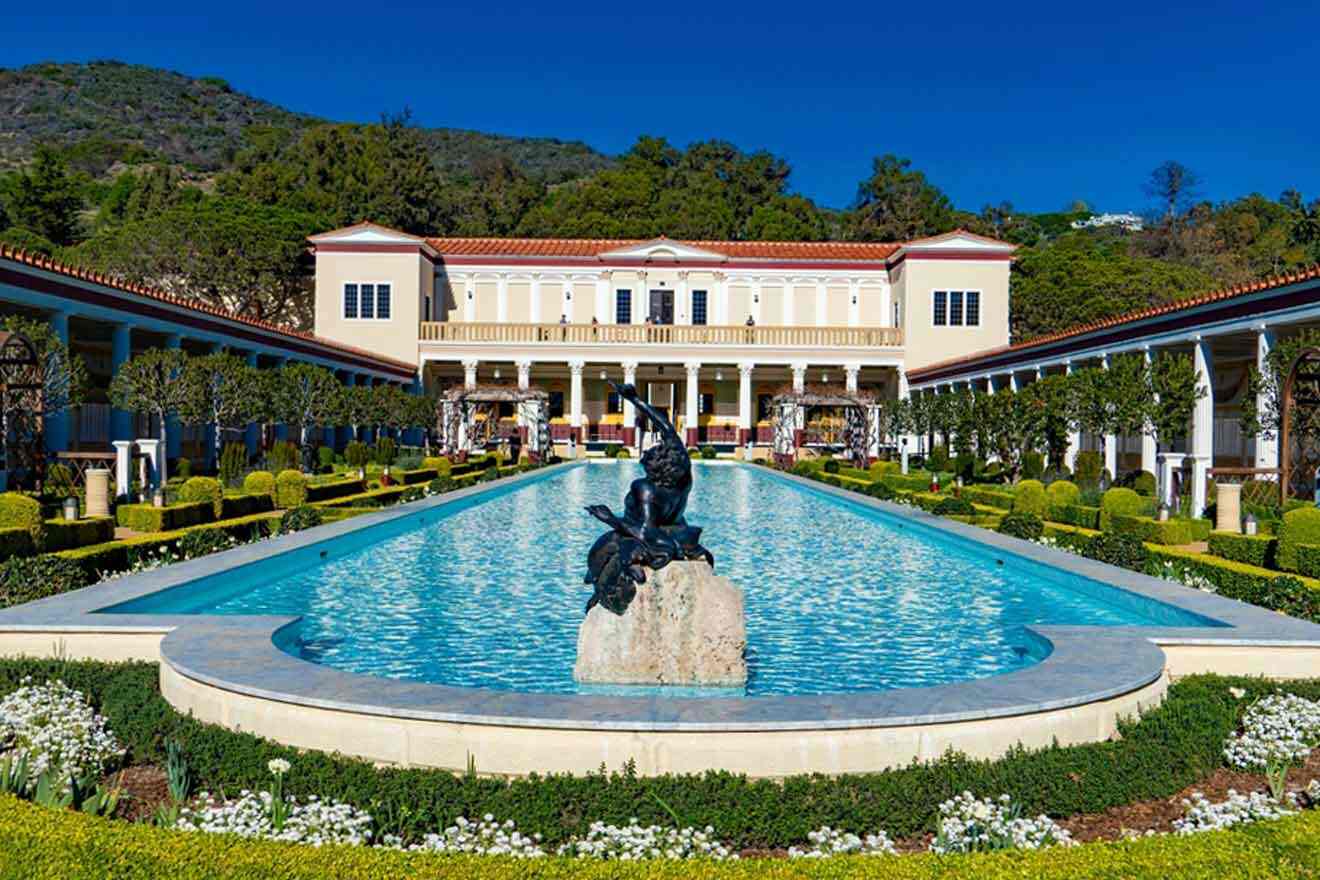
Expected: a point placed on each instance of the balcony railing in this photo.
(662, 334)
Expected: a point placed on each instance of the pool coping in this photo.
(239, 654)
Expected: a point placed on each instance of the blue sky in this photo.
(1035, 103)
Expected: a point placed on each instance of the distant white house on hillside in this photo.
(1129, 222)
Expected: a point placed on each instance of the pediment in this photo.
(959, 240)
(663, 250)
(365, 233)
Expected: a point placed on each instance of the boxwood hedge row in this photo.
(1172, 747)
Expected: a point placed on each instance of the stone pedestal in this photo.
(123, 467)
(686, 626)
(1228, 507)
(98, 490)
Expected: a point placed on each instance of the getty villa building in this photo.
(709, 331)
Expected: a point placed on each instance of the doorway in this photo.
(662, 307)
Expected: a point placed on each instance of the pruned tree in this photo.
(152, 383)
(304, 397)
(357, 407)
(219, 393)
(1177, 384)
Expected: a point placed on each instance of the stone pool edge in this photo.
(228, 670)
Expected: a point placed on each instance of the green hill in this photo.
(107, 112)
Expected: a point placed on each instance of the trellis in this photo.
(469, 418)
(858, 435)
(22, 413)
(1299, 440)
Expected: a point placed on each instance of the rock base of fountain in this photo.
(686, 626)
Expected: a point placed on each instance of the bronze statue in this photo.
(652, 532)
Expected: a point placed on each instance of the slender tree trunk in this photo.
(162, 453)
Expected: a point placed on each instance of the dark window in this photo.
(383, 302)
(368, 301)
(556, 404)
(706, 403)
(764, 403)
(350, 300)
(698, 307)
(941, 314)
(973, 308)
(955, 308)
(613, 404)
(623, 307)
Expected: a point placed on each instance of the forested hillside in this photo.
(185, 184)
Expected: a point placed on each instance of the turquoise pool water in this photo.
(488, 592)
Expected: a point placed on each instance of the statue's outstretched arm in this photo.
(629, 393)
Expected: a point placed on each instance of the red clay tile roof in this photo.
(41, 261)
(594, 247)
(1308, 274)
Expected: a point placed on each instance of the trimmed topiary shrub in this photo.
(19, 511)
(325, 456)
(1088, 467)
(204, 489)
(290, 489)
(260, 483)
(386, 451)
(36, 577)
(952, 505)
(623, 453)
(299, 518)
(1033, 465)
(1029, 497)
(708, 452)
(439, 464)
(204, 542)
(1118, 548)
(1256, 550)
(59, 481)
(1120, 502)
(283, 456)
(1141, 482)
(938, 460)
(1062, 493)
(1027, 526)
(183, 469)
(357, 455)
(1300, 526)
(880, 490)
(440, 485)
(831, 466)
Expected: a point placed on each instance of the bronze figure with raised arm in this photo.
(652, 531)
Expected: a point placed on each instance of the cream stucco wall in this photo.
(925, 343)
(411, 277)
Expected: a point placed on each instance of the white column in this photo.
(603, 299)
(855, 302)
(721, 299)
(886, 306)
(469, 299)
(1267, 451)
(502, 299)
(850, 372)
(690, 421)
(1110, 440)
(745, 397)
(682, 301)
(990, 385)
(535, 305)
(524, 373)
(756, 300)
(575, 397)
(641, 304)
(1074, 437)
(1149, 442)
(787, 317)
(629, 378)
(799, 376)
(470, 373)
(1203, 423)
(822, 307)
(123, 467)
(1013, 384)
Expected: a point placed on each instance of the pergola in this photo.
(858, 433)
(469, 419)
(22, 406)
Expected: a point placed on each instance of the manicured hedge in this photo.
(1256, 550)
(290, 489)
(1030, 497)
(15, 541)
(260, 483)
(1121, 502)
(234, 506)
(1000, 499)
(1076, 515)
(42, 843)
(1173, 746)
(65, 535)
(412, 478)
(382, 497)
(1276, 591)
(1176, 531)
(149, 518)
(20, 511)
(1063, 493)
(918, 482)
(204, 489)
(117, 556)
(336, 489)
(1308, 560)
(1300, 526)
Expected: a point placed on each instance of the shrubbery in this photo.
(1033, 465)
(357, 455)
(1120, 502)
(938, 460)
(260, 483)
(1088, 467)
(19, 511)
(1027, 526)
(1300, 526)
(24, 579)
(1251, 549)
(283, 456)
(952, 505)
(1118, 548)
(325, 457)
(204, 542)
(831, 466)
(290, 489)
(1029, 497)
(301, 517)
(204, 489)
(880, 490)
(233, 461)
(1062, 493)
(708, 452)
(386, 451)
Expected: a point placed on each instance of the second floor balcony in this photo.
(805, 337)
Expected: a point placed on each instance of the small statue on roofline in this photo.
(652, 531)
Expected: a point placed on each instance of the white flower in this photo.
(635, 842)
(1238, 693)
(56, 729)
(1280, 728)
(1202, 815)
(969, 824)
(829, 841)
(316, 822)
(278, 766)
